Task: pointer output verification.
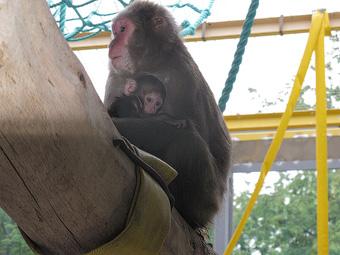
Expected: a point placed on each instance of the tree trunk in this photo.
(61, 179)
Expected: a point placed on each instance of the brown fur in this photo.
(201, 152)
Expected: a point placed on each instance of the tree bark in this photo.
(61, 179)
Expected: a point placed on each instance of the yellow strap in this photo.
(148, 222)
(276, 143)
(149, 217)
(321, 143)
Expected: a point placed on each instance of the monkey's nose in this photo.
(150, 109)
(111, 44)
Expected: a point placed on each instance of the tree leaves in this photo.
(284, 221)
(11, 242)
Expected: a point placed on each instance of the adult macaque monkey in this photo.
(145, 39)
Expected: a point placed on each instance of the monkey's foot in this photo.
(204, 233)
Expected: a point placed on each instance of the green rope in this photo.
(123, 3)
(62, 17)
(189, 29)
(248, 23)
(179, 5)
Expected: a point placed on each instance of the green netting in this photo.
(81, 19)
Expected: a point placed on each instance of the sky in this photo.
(269, 63)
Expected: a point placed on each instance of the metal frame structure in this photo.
(263, 125)
(320, 26)
(252, 135)
(228, 30)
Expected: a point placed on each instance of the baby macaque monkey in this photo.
(143, 97)
(150, 91)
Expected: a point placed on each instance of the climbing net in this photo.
(82, 19)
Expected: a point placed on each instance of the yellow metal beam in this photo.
(268, 135)
(99, 41)
(292, 149)
(229, 30)
(261, 27)
(263, 126)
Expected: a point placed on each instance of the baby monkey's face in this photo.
(152, 102)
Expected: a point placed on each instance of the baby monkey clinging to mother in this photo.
(142, 97)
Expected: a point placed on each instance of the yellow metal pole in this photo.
(276, 143)
(321, 142)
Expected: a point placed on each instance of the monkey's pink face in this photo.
(122, 30)
(152, 103)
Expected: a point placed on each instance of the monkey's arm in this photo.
(126, 107)
(169, 119)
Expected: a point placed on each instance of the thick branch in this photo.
(61, 179)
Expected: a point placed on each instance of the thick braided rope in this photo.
(62, 17)
(189, 29)
(248, 23)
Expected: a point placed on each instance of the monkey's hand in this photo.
(166, 118)
(130, 87)
(177, 123)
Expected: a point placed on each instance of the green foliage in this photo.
(11, 241)
(284, 221)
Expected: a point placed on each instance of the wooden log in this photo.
(61, 179)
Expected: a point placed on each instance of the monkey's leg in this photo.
(149, 134)
(197, 189)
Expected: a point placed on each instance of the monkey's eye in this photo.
(158, 104)
(122, 29)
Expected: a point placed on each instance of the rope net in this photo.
(82, 19)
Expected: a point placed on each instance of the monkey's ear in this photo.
(158, 22)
